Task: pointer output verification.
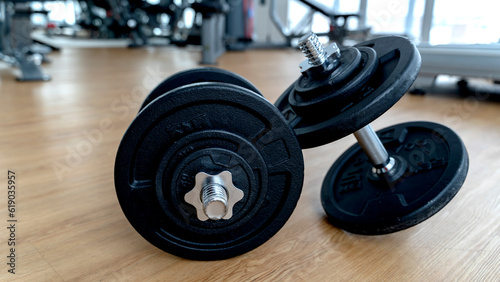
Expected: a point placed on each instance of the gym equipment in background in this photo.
(338, 29)
(16, 45)
(465, 61)
(213, 28)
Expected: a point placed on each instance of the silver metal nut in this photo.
(313, 49)
(214, 196)
(317, 55)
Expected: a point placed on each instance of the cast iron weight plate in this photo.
(204, 74)
(356, 201)
(210, 127)
(399, 63)
(333, 96)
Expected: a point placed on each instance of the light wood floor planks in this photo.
(70, 226)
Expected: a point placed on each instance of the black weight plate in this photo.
(204, 74)
(437, 164)
(208, 127)
(349, 62)
(334, 97)
(399, 63)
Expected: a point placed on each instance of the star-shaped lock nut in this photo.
(214, 196)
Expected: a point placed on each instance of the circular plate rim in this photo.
(187, 75)
(150, 112)
(399, 223)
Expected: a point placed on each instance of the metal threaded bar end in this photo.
(313, 49)
(214, 199)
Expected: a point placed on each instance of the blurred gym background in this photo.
(459, 42)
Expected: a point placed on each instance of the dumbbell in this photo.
(208, 169)
(393, 179)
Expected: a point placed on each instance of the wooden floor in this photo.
(70, 226)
